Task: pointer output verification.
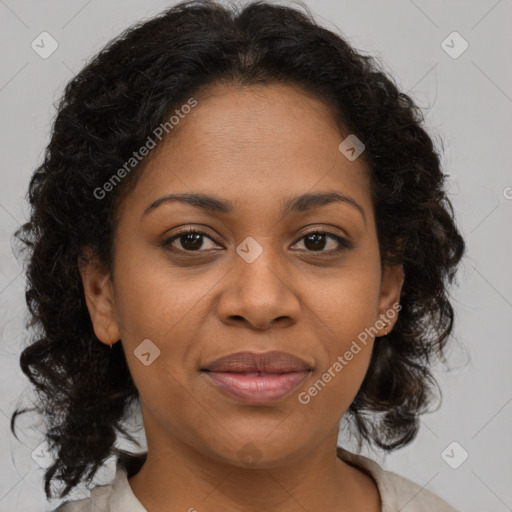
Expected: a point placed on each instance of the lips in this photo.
(251, 362)
(257, 378)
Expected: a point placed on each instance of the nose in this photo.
(259, 294)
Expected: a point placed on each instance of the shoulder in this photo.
(116, 496)
(98, 501)
(397, 492)
(403, 492)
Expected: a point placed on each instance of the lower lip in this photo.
(259, 389)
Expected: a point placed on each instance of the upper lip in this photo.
(267, 362)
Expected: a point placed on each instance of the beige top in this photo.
(397, 493)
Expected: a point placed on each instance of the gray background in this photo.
(469, 103)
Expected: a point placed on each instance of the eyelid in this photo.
(324, 230)
(186, 230)
(344, 242)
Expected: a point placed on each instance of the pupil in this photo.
(315, 237)
(192, 239)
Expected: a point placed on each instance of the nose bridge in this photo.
(259, 290)
(259, 269)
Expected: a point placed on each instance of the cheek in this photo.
(346, 311)
(346, 303)
(338, 377)
(152, 300)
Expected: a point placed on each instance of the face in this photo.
(251, 276)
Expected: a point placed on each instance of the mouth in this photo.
(257, 378)
(252, 362)
(257, 387)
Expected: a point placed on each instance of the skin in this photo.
(256, 147)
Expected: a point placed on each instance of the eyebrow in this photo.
(211, 204)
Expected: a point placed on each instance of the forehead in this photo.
(230, 119)
(263, 141)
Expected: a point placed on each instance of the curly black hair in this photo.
(108, 110)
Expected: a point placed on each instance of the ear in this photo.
(99, 297)
(389, 299)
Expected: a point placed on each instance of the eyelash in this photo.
(343, 243)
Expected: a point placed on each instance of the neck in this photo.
(177, 476)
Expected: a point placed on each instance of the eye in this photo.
(190, 240)
(316, 241)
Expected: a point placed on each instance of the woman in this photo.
(240, 224)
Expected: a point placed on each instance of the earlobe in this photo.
(389, 300)
(99, 297)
